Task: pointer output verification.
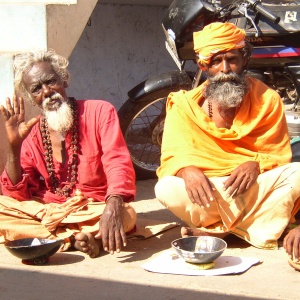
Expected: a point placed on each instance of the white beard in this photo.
(60, 120)
(228, 90)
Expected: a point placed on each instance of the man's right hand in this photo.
(291, 244)
(197, 185)
(111, 229)
(14, 116)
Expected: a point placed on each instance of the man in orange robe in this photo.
(225, 164)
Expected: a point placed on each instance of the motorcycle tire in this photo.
(142, 125)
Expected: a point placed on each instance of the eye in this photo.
(215, 61)
(36, 89)
(52, 81)
(232, 59)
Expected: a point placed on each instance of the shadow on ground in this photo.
(36, 285)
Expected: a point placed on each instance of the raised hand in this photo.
(14, 116)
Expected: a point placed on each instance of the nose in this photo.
(225, 67)
(46, 90)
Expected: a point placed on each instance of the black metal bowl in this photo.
(199, 249)
(33, 250)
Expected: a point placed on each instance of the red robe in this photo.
(104, 165)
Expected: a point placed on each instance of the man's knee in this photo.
(295, 166)
(158, 188)
(129, 217)
(293, 174)
(166, 185)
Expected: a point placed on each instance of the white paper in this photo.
(169, 262)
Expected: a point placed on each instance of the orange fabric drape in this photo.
(217, 37)
(259, 133)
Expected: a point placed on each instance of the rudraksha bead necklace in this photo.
(210, 111)
(48, 152)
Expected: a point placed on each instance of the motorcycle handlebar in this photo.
(275, 19)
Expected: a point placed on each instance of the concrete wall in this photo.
(123, 46)
(24, 27)
(65, 24)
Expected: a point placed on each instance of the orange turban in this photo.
(217, 37)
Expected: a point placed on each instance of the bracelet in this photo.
(117, 196)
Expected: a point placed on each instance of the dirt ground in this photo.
(73, 275)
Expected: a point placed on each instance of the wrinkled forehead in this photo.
(38, 72)
(229, 53)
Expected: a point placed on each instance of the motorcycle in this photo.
(271, 27)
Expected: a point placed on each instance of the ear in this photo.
(202, 67)
(65, 84)
(246, 60)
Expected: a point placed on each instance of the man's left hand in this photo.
(111, 227)
(241, 178)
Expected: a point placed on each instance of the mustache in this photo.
(56, 96)
(221, 77)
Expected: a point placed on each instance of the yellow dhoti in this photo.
(27, 219)
(259, 216)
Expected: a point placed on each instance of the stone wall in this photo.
(122, 46)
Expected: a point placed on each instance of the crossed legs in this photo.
(20, 220)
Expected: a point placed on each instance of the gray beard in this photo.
(60, 120)
(228, 90)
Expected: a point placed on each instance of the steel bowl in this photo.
(199, 249)
(33, 250)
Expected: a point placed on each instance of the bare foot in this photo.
(187, 231)
(86, 243)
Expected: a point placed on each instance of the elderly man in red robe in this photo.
(68, 173)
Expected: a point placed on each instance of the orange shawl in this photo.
(259, 133)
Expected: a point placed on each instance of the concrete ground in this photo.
(73, 275)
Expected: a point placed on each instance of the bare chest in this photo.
(223, 118)
(58, 147)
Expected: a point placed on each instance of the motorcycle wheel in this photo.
(142, 125)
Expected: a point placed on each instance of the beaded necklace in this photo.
(72, 167)
(210, 111)
(223, 115)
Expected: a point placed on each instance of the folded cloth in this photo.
(146, 228)
(217, 37)
(54, 213)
